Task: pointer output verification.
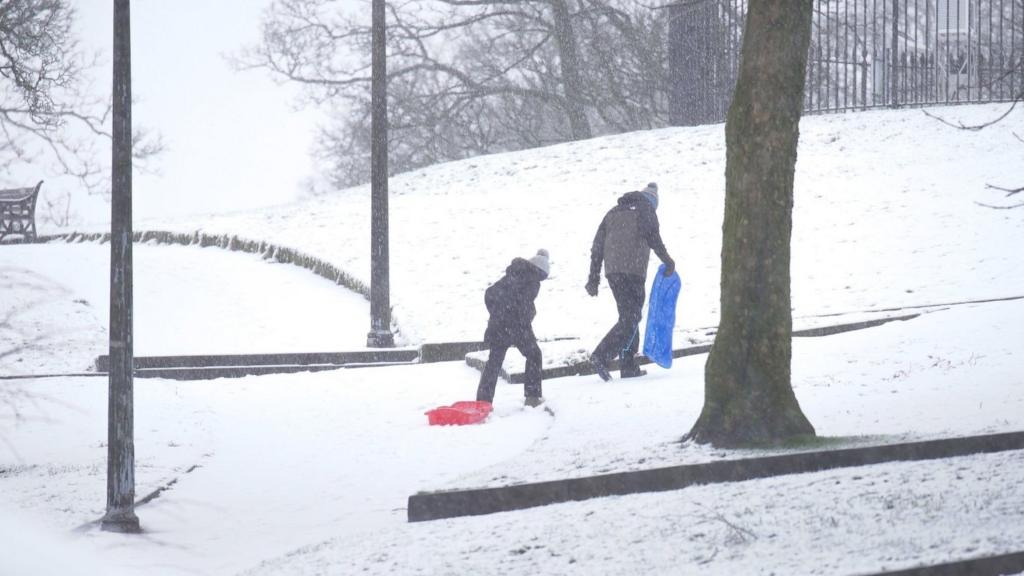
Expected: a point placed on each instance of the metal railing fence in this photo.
(864, 54)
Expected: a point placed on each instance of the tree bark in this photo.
(568, 57)
(748, 395)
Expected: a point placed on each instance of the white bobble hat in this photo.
(541, 261)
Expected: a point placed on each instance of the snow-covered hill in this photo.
(303, 474)
(886, 215)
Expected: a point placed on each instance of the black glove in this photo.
(670, 267)
(592, 286)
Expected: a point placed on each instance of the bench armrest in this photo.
(17, 195)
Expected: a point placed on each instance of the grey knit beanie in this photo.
(651, 193)
(541, 261)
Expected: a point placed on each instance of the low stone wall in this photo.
(231, 242)
(478, 501)
(1000, 565)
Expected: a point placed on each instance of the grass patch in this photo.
(810, 443)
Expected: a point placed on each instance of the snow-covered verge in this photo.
(857, 521)
(885, 216)
(52, 553)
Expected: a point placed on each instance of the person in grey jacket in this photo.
(623, 242)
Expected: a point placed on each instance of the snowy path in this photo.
(290, 461)
(948, 373)
(952, 372)
(188, 300)
(283, 460)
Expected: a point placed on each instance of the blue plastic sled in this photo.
(661, 318)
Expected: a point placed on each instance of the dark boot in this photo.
(632, 372)
(628, 368)
(600, 367)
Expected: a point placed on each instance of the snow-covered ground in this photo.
(884, 216)
(188, 300)
(309, 473)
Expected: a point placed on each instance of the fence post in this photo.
(694, 44)
(895, 54)
(676, 56)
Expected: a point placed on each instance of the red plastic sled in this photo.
(459, 413)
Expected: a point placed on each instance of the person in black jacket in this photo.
(623, 242)
(510, 303)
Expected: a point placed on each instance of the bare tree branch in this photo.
(1010, 207)
(467, 77)
(1009, 191)
(44, 115)
(976, 127)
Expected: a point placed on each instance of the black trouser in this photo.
(623, 339)
(489, 379)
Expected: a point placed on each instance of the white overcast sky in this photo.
(234, 139)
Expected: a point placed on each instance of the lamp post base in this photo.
(380, 339)
(123, 522)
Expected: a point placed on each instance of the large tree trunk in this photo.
(568, 57)
(748, 396)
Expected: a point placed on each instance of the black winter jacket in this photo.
(510, 302)
(625, 238)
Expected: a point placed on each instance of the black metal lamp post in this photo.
(120, 515)
(380, 335)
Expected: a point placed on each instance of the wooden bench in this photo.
(18, 212)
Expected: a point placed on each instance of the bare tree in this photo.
(467, 77)
(625, 60)
(748, 394)
(45, 111)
